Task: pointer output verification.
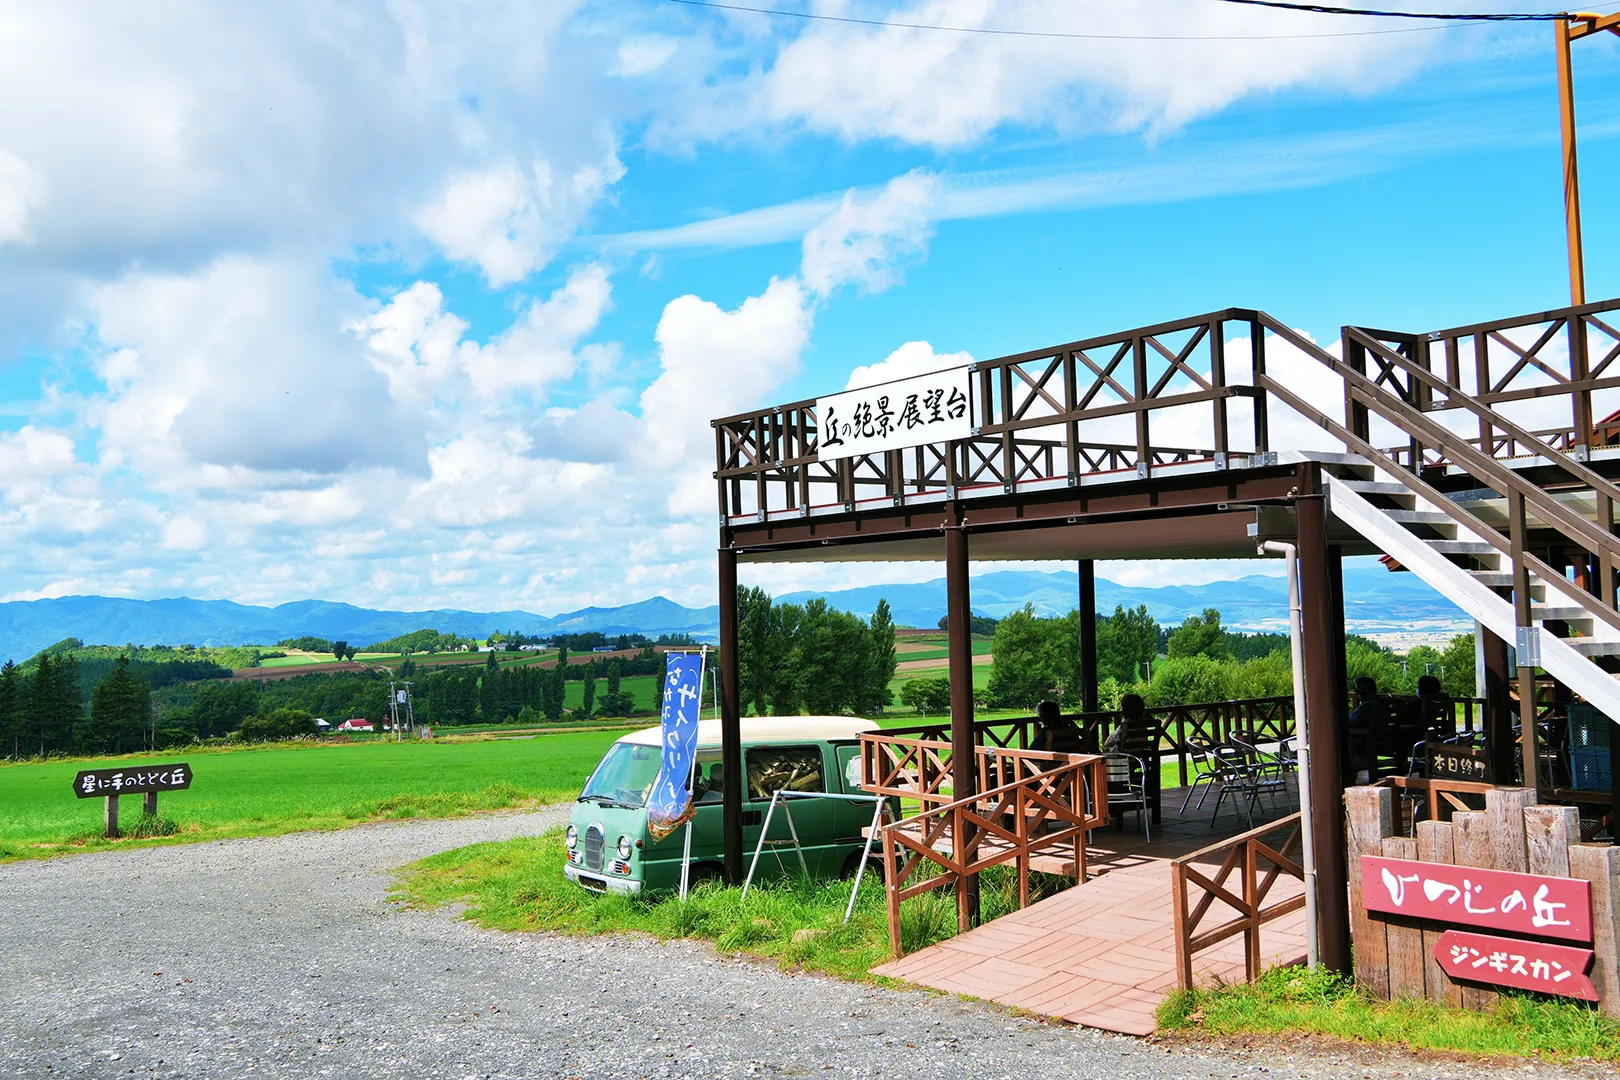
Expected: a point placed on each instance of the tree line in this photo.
(1038, 658)
(810, 658)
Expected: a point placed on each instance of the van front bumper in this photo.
(600, 882)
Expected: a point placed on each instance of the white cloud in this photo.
(21, 191)
(642, 56)
(32, 453)
(912, 358)
(242, 369)
(714, 363)
(166, 136)
(949, 89)
(866, 241)
(509, 221)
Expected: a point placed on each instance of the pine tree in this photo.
(13, 707)
(590, 688)
(489, 691)
(662, 671)
(120, 709)
(884, 661)
(613, 677)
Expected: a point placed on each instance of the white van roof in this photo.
(758, 729)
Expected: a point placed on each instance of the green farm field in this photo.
(270, 790)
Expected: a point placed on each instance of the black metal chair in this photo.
(1205, 771)
(1127, 787)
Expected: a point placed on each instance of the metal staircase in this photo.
(1496, 523)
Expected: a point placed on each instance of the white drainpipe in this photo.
(1302, 743)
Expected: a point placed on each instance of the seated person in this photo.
(1133, 728)
(1054, 733)
(1361, 721)
(713, 790)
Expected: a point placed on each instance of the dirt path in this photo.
(281, 957)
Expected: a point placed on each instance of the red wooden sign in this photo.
(1527, 965)
(1535, 904)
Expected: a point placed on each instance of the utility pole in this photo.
(1573, 28)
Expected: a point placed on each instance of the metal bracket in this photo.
(1006, 487)
(974, 432)
(1220, 460)
(1141, 470)
(1528, 647)
(1074, 480)
(1581, 452)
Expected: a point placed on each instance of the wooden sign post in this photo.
(145, 781)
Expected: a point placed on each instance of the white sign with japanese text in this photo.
(890, 416)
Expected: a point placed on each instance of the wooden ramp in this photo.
(1103, 953)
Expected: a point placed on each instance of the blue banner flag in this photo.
(670, 803)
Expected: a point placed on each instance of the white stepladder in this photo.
(781, 795)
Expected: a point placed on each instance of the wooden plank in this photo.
(1404, 936)
(1472, 845)
(1434, 845)
(1506, 806)
(1600, 864)
(1548, 833)
(1369, 818)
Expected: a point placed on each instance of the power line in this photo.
(1442, 22)
(1325, 9)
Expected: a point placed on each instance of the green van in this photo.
(610, 850)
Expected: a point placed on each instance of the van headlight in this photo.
(624, 847)
(571, 838)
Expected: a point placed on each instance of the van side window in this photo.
(794, 768)
(709, 778)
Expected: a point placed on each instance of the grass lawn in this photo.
(639, 687)
(277, 789)
(1288, 1001)
(519, 885)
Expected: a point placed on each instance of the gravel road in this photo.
(280, 957)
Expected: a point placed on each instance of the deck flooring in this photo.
(1103, 953)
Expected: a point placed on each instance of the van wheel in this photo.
(874, 866)
(703, 872)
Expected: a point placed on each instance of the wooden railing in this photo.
(1264, 719)
(1010, 823)
(918, 768)
(1441, 796)
(1244, 855)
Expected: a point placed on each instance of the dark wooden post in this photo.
(1324, 723)
(959, 629)
(149, 804)
(1088, 635)
(730, 722)
(1498, 719)
(112, 817)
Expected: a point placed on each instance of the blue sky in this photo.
(412, 306)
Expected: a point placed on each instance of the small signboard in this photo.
(1537, 904)
(1526, 965)
(1447, 762)
(890, 416)
(100, 783)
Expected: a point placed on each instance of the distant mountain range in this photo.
(1376, 601)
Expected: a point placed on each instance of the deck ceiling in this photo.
(1196, 534)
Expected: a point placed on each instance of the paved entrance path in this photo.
(282, 958)
(1102, 953)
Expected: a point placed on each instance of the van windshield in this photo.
(625, 775)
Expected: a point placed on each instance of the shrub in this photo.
(1189, 679)
(929, 695)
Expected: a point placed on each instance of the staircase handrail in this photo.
(1456, 398)
(1548, 509)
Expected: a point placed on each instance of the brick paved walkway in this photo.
(1102, 953)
